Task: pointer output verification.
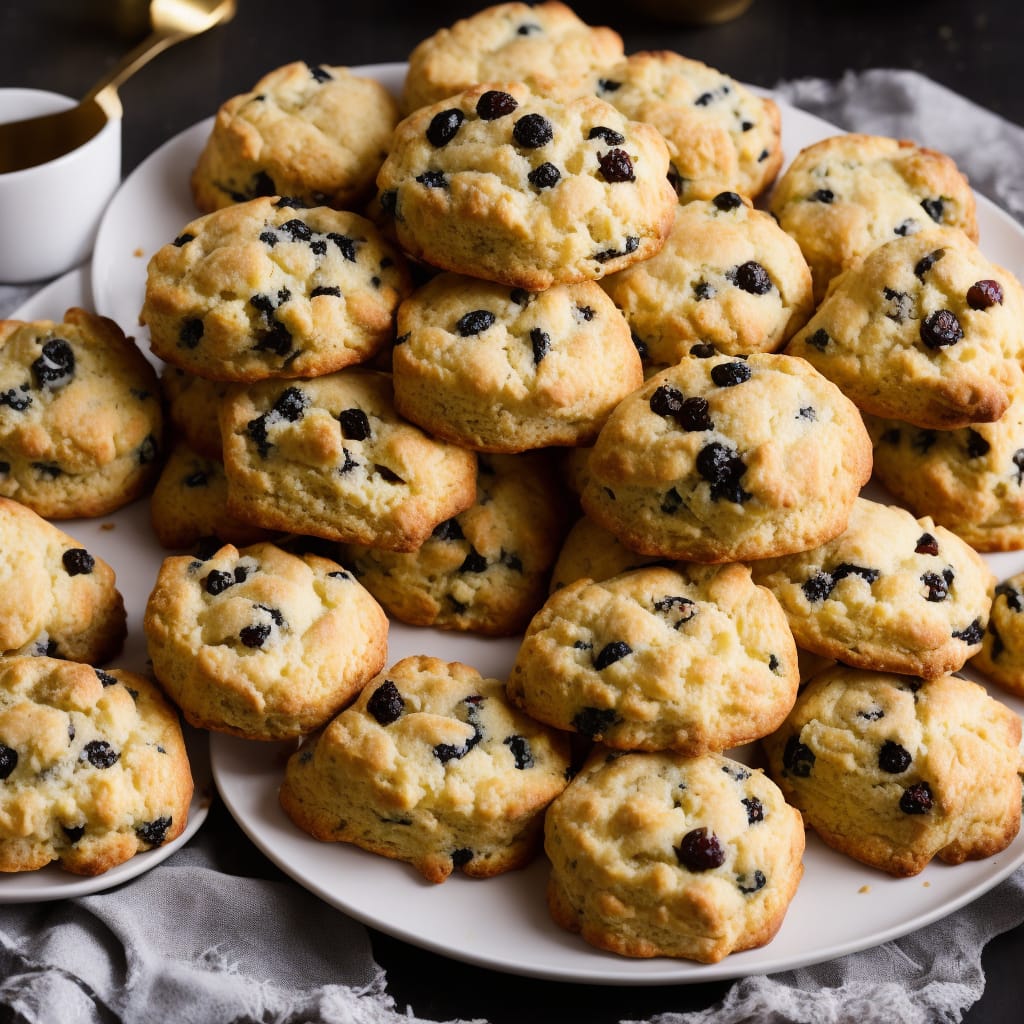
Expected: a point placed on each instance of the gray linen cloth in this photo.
(186, 942)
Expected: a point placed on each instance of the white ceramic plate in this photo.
(502, 923)
(125, 541)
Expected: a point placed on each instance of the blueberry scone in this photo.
(664, 855)
(722, 459)
(331, 458)
(506, 370)
(432, 766)
(80, 418)
(1001, 657)
(691, 659)
(924, 329)
(512, 186)
(894, 771)
(188, 506)
(260, 643)
(545, 44)
(486, 569)
(267, 288)
(56, 598)
(93, 767)
(721, 136)
(728, 277)
(317, 133)
(591, 552)
(847, 194)
(969, 480)
(192, 403)
(890, 593)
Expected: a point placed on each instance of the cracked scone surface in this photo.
(545, 44)
(486, 569)
(260, 643)
(270, 289)
(316, 133)
(506, 370)
(93, 764)
(924, 329)
(80, 418)
(970, 480)
(432, 766)
(692, 659)
(331, 458)
(664, 855)
(890, 593)
(720, 135)
(894, 771)
(847, 194)
(720, 459)
(57, 598)
(728, 276)
(508, 185)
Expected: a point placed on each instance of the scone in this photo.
(589, 551)
(721, 459)
(80, 419)
(485, 570)
(505, 370)
(269, 289)
(331, 458)
(192, 403)
(261, 643)
(1001, 657)
(431, 766)
(890, 593)
(728, 276)
(847, 194)
(721, 136)
(894, 771)
(316, 133)
(546, 44)
(189, 505)
(520, 188)
(56, 598)
(969, 480)
(691, 659)
(663, 855)
(93, 765)
(924, 329)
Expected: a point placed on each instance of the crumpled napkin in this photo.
(189, 943)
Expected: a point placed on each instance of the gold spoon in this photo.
(38, 140)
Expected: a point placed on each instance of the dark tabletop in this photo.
(971, 47)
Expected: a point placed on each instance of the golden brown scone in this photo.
(721, 136)
(80, 419)
(93, 766)
(923, 329)
(1001, 657)
(719, 459)
(318, 134)
(692, 659)
(530, 191)
(663, 855)
(544, 44)
(894, 771)
(890, 593)
(261, 643)
(847, 194)
(56, 598)
(432, 766)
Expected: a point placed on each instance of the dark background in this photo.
(974, 48)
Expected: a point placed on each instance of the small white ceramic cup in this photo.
(49, 214)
